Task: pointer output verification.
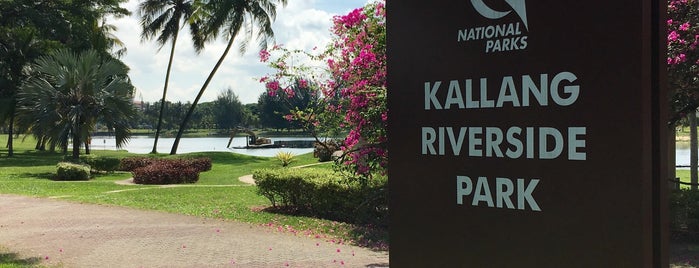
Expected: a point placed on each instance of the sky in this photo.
(301, 24)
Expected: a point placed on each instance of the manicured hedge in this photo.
(66, 171)
(684, 214)
(166, 171)
(323, 193)
(201, 164)
(132, 163)
(102, 163)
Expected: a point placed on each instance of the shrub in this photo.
(103, 163)
(168, 171)
(324, 194)
(165, 172)
(285, 158)
(132, 163)
(66, 171)
(200, 164)
(684, 214)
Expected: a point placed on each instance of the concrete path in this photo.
(67, 234)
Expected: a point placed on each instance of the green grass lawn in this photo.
(28, 173)
(10, 259)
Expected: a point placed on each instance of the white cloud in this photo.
(302, 24)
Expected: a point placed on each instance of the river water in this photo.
(144, 145)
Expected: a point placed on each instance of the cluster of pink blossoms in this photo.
(354, 86)
(683, 37)
(683, 56)
(359, 67)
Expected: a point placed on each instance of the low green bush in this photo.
(66, 171)
(103, 163)
(324, 193)
(684, 214)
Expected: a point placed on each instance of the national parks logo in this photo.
(498, 36)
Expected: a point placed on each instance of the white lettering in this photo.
(481, 194)
(524, 194)
(514, 142)
(431, 95)
(572, 91)
(520, 92)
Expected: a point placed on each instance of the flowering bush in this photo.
(352, 85)
(683, 57)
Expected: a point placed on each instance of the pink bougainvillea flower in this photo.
(264, 55)
(684, 26)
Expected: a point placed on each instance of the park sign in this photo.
(527, 133)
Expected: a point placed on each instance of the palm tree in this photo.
(227, 18)
(163, 18)
(69, 93)
(18, 47)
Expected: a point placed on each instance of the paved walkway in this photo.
(81, 235)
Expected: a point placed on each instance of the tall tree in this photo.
(30, 28)
(68, 93)
(227, 18)
(227, 110)
(164, 18)
(18, 47)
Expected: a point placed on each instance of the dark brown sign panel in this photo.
(526, 133)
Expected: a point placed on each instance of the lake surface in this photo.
(144, 145)
(682, 153)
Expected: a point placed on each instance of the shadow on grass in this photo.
(39, 176)
(31, 159)
(13, 260)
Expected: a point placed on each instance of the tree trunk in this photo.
(42, 146)
(10, 147)
(39, 140)
(76, 141)
(162, 101)
(87, 146)
(693, 156)
(183, 126)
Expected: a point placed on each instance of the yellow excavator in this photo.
(252, 141)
